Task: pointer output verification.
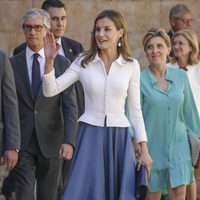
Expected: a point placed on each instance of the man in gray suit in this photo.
(48, 125)
(68, 47)
(9, 116)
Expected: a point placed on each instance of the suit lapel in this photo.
(67, 49)
(40, 94)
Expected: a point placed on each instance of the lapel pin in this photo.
(70, 50)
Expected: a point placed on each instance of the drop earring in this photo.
(119, 43)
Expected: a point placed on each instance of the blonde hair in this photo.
(193, 40)
(156, 32)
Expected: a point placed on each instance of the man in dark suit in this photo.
(48, 125)
(68, 48)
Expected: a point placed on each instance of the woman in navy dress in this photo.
(103, 166)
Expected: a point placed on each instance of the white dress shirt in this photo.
(61, 50)
(29, 60)
(194, 79)
(105, 95)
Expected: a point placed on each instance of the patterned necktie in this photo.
(35, 75)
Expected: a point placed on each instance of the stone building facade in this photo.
(140, 16)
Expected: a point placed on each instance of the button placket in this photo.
(105, 89)
(105, 95)
(168, 127)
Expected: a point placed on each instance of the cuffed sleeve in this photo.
(134, 107)
(53, 86)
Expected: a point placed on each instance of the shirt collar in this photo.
(59, 41)
(188, 67)
(120, 60)
(168, 75)
(151, 76)
(96, 58)
(30, 53)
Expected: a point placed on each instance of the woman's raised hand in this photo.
(51, 48)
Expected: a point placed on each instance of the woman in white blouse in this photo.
(185, 46)
(104, 161)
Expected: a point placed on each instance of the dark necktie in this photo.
(35, 75)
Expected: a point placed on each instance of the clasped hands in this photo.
(142, 156)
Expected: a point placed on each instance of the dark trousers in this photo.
(65, 167)
(34, 169)
(8, 186)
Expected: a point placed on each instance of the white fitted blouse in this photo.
(105, 94)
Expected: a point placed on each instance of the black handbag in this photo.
(142, 184)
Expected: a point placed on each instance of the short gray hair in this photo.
(37, 12)
(178, 9)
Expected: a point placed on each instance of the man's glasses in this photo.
(28, 27)
(185, 21)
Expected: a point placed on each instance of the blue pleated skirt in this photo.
(103, 166)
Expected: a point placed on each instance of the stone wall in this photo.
(140, 16)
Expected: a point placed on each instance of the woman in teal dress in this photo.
(169, 111)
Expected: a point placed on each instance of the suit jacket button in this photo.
(35, 111)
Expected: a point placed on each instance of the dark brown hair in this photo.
(119, 23)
